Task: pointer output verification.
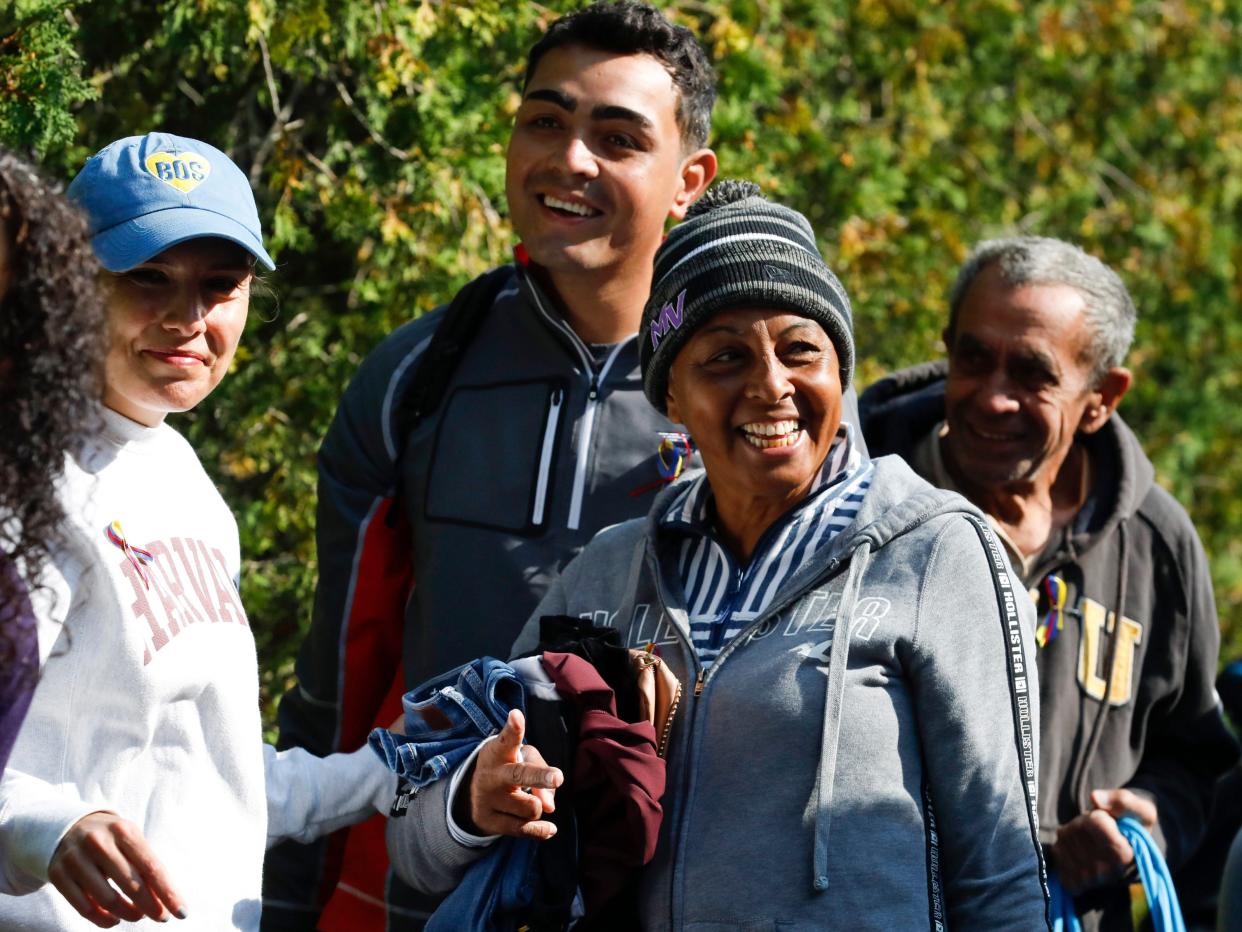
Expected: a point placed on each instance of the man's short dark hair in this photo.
(629, 28)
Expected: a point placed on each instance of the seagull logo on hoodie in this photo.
(868, 614)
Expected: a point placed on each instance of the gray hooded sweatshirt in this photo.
(881, 781)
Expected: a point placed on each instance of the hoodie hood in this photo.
(898, 502)
(1116, 451)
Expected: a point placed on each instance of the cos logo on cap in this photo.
(183, 172)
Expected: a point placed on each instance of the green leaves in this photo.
(40, 75)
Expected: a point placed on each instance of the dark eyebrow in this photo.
(562, 100)
(615, 112)
(722, 328)
(1040, 360)
(969, 342)
(798, 325)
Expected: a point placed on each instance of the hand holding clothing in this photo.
(102, 847)
(1090, 849)
(512, 787)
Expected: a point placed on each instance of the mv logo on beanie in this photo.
(185, 171)
(669, 318)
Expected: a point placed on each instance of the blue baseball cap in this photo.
(144, 194)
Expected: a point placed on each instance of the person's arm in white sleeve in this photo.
(34, 817)
(96, 859)
(309, 796)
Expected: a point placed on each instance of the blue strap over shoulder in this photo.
(1166, 911)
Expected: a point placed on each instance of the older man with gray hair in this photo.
(1022, 422)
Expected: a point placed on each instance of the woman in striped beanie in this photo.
(856, 745)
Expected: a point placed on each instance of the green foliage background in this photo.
(906, 130)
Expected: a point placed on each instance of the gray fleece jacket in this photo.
(882, 781)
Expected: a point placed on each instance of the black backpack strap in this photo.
(436, 367)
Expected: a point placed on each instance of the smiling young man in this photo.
(1024, 425)
(434, 544)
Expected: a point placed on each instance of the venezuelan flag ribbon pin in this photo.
(1054, 619)
(136, 555)
(672, 455)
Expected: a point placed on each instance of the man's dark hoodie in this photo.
(1131, 551)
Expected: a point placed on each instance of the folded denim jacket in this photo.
(446, 717)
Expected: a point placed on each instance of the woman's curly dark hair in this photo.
(52, 343)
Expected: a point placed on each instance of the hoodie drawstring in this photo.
(1114, 637)
(834, 700)
(631, 583)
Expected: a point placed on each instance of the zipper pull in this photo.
(698, 683)
(405, 792)
(593, 394)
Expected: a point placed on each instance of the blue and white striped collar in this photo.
(692, 508)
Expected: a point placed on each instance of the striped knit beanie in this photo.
(737, 249)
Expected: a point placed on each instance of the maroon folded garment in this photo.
(617, 782)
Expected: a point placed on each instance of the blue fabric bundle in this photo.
(445, 720)
(494, 891)
(446, 717)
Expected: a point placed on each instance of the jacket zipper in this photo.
(557, 323)
(545, 456)
(700, 673)
(594, 381)
(585, 435)
(700, 682)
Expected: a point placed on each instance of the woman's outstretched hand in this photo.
(103, 847)
(512, 786)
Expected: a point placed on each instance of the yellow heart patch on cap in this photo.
(184, 172)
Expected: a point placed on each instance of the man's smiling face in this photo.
(596, 162)
(1020, 381)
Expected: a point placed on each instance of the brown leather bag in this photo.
(659, 694)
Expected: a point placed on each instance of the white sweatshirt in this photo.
(148, 701)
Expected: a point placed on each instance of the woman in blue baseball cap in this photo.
(139, 786)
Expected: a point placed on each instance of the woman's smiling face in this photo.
(759, 390)
(174, 323)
